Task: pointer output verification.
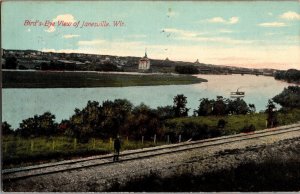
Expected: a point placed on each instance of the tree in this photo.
(39, 125)
(252, 108)
(165, 112)
(6, 129)
(144, 122)
(271, 114)
(289, 97)
(205, 108)
(186, 69)
(238, 106)
(219, 106)
(11, 62)
(180, 106)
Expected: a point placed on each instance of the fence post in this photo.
(94, 143)
(75, 143)
(5, 147)
(142, 139)
(53, 144)
(110, 143)
(31, 145)
(154, 139)
(168, 139)
(179, 138)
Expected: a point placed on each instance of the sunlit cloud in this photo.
(67, 36)
(232, 20)
(290, 15)
(225, 31)
(273, 24)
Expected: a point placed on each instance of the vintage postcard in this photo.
(150, 96)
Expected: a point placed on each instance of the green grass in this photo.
(234, 123)
(48, 79)
(17, 151)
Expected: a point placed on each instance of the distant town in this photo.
(38, 60)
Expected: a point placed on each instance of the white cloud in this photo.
(272, 24)
(200, 37)
(63, 17)
(225, 31)
(67, 36)
(290, 15)
(232, 20)
(216, 20)
(91, 42)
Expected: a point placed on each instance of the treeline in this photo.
(186, 69)
(291, 75)
(121, 117)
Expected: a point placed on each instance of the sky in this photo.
(259, 34)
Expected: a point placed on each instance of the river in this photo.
(19, 104)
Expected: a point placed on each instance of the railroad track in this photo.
(56, 167)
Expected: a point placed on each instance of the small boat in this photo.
(237, 94)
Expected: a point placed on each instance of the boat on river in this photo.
(237, 94)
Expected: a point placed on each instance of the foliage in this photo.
(6, 129)
(291, 75)
(289, 97)
(39, 125)
(179, 106)
(238, 106)
(107, 66)
(272, 114)
(248, 128)
(186, 69)
(222, 106)
(11, 62)
(165, 112)
(205, 108)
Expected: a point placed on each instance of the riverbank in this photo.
(48, 79)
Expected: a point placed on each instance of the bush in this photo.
(248, 128)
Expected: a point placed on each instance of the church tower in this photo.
(144, 63)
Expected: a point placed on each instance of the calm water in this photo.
(19, 104)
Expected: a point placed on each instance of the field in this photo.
(42, 149)
(235, 123)
(48, 79)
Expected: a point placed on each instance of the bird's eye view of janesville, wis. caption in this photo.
(150, 96)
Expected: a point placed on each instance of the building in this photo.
(144, 63)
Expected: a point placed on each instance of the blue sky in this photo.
(251, 34)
